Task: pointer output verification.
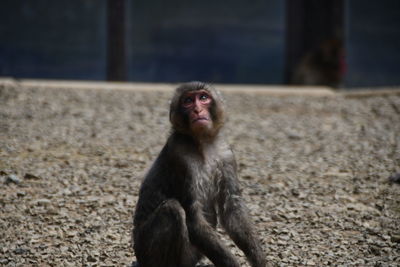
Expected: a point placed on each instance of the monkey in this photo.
(190, 188)
(322, 66)
(395, 178)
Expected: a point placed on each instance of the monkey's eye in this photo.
(204, 97)
(187, 100)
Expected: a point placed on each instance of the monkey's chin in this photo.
(202, 128)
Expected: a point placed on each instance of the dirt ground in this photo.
(314, 173)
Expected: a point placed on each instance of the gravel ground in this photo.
(314, 171)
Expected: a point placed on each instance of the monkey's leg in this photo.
(163, 240)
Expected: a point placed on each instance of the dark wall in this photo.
(176, 40)
(218, 41)
(52, 39)
(167, 41)
(373, 43)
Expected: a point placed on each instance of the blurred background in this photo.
(340, 43)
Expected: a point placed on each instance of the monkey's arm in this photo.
(205, 238)
(234, 218)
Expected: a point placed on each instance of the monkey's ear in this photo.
(218, 107)
(217, 95)
(176, 119)
(175, 116)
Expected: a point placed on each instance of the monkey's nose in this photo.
(197, 107)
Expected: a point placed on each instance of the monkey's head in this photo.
(197, 110)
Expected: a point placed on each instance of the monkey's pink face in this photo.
(197, 106)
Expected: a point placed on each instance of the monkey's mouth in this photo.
(200, 120)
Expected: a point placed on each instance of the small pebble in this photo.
(12, 178)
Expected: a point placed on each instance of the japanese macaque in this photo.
(191, 186)
(323, 66)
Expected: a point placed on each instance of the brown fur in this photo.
(189, 188)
